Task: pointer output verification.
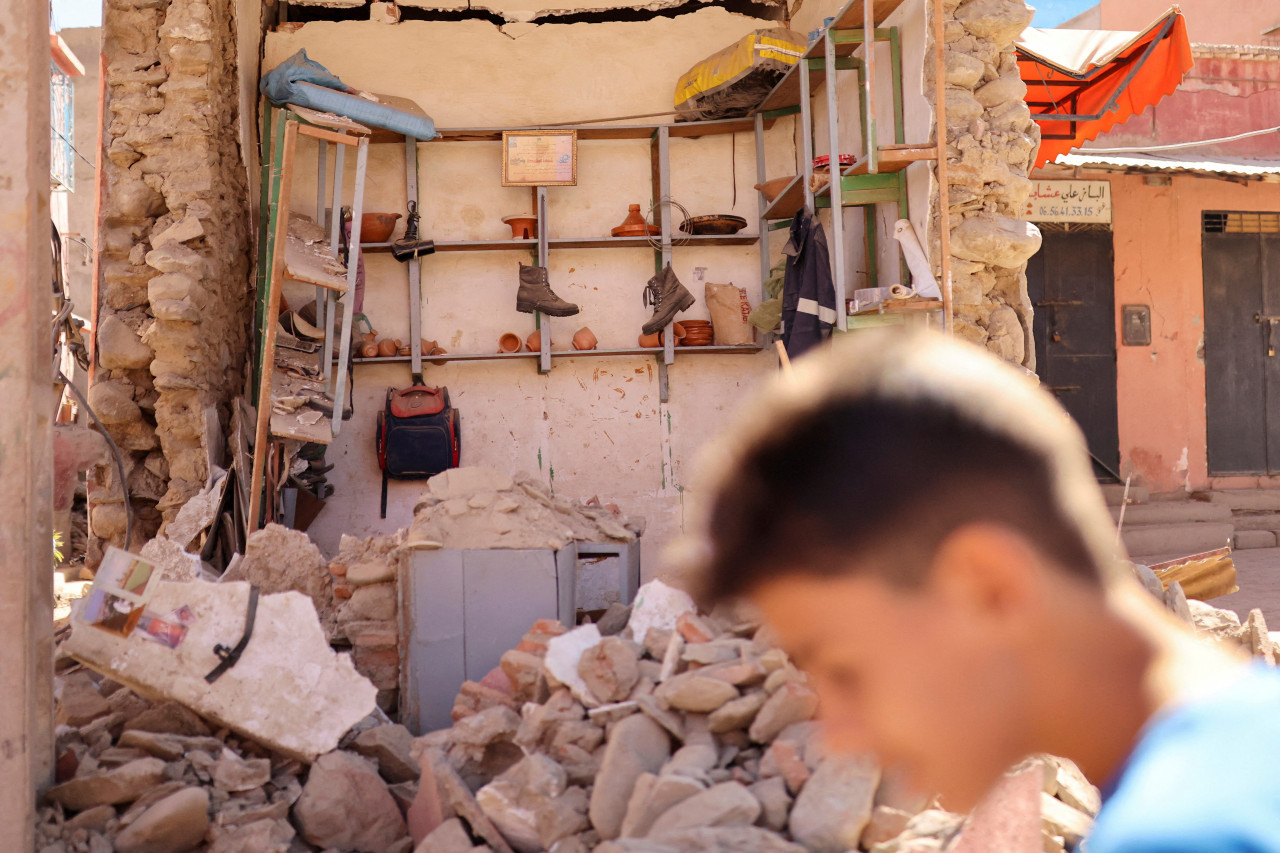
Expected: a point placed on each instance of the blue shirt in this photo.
(1204, 776)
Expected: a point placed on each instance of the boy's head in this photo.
(914, 519)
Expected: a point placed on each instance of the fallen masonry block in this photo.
(288, 691)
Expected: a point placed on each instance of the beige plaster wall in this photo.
(594, 426)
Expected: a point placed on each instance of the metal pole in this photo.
(944, 189)
(869, 86)
(664, 213)
(806, 135)
(322, 294)
(761, 206)
(349, 298)
(544, 251)
(415, 269)
(834, 187)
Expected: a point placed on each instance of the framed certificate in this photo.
(539, 158)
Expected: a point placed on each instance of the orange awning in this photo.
(1080, 83)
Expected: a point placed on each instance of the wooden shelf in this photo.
(596, 353)
(788, 202)
(578, 243)
(895, 158)
(677, 130)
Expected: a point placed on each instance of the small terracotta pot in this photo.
(369, 350)
(584, 339)
(387, 347)
(651, 341)
(403, 350)
(425, 346)
(438, 351)
(377, 227)
(678, 330)
(369, 337)
(509, 342)
(523, 226)
(533, 343)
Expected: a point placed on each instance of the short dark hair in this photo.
(878, 480)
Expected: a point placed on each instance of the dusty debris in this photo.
(480, 508)
(288, 690)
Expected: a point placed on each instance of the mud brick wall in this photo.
(991, 147)
(174, 296)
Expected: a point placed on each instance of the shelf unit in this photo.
(878, 176)
(667, 240)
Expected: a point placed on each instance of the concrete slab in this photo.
(1113, 494)
(1258, 575)
(1255, 499)
(1177, 539)
(1248, 539)
(288, 691)
(1172, 512)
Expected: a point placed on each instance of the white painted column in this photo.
(26, 455)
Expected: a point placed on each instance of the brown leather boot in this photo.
(535, 294)
(667, 296)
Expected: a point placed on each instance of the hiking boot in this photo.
(667, 296)
(535, 294)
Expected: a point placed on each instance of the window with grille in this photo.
(62, 128)
(1240, 222)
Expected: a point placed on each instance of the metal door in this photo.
(1241, 346)
(1071, 282)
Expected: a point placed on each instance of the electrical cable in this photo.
(115, 451)
(1175, 146)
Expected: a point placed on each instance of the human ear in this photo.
(992, 575)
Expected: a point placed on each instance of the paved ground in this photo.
(1258, 575)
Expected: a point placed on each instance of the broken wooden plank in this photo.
(1202, 576)
(308, 256)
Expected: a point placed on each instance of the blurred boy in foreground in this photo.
(919, 524)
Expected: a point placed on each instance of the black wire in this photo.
(124, 487)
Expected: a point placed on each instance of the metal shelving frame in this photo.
(879, 174)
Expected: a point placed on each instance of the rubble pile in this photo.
(135, 776)
(482, 508)
(660, 730)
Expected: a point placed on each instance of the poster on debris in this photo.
(1069, 201)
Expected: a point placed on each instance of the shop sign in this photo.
(539, 158)
(1069, 201)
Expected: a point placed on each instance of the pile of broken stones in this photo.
(654, 731)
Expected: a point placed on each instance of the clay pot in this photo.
(387, 347)
(369, 350)
(584, 338)
(533, 343)
(370, 337)
(651, 341)
(524, 226)
(634, 225)
(509, 342)
(678, 330)
(438, 351)
(425, 346)
(377, 227)
(770, 189)
(403, 350)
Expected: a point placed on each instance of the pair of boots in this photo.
(664, 292)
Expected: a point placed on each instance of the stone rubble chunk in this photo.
(457, 797)
(714, 839)
(1063, 820)
(636, 745)
(174, 825)
(121, 785)
(726, 804)
(775, 802)
(514, 800)
(449, 837)
(234, 774)
(391, 747)
(1072, 787)
(738, 713)
(345, 804)
(79, 701)
(651, 798)
(792, 703)
(694, 692)
(835, 805)
(657, 605)
(609, 669)
(563, 654)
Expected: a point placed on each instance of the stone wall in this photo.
(174, 290)
(991, 146)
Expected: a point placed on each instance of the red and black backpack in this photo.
(419, 435)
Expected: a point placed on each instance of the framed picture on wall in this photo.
(539, 158)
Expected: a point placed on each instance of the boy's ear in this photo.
(992, 573)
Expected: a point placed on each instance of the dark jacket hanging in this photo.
(808, 294)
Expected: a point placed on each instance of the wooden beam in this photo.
(944, 189)
(275, 286)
